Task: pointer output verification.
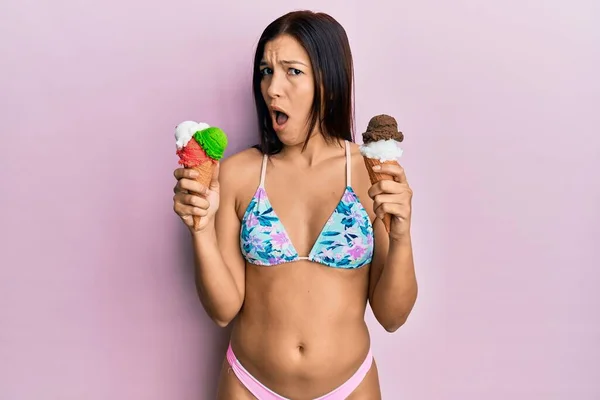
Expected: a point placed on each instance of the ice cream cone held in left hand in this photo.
(391, 194)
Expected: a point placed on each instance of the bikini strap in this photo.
(263, 170)
(348, 165)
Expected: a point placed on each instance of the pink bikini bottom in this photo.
(261, 392)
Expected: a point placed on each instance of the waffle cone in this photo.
(376, 177)
(205, 173)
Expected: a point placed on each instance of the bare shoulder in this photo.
(239, 175)
(360, 176)
(238, 167)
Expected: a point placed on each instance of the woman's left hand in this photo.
(393, 197)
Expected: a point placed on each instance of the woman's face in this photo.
(287, 87)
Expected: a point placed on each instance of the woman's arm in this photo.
(219, 266)
(393, 284)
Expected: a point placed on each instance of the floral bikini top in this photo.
(346, 240)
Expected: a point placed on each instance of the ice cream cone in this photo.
(380, 142)
(200, 147)
(205, 174)
(376, 177)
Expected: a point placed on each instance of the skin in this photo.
(299, 327)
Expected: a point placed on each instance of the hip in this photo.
(236, 382)
(289, 360)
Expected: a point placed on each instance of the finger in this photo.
(382, 199)
(395, 170)
(389, 208)
(192, 186)
(196, 201)
(191, 200)
(185, 173)
(387, 186)
(188, 220)
(177, 188)
(184, 210)
(214, 182)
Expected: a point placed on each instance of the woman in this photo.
(300, 331)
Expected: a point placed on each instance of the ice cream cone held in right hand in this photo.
(200, 147)
(381, 145)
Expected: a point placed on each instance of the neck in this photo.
(317, 150)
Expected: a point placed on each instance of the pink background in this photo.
(500, 107)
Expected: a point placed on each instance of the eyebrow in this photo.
(264, 63)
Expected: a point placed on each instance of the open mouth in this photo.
(280, 118)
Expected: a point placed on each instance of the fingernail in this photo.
(376, 167)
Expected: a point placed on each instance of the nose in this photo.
(275, 85)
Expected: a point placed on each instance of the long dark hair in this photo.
(326, 43)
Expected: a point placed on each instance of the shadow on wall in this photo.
(214, 340)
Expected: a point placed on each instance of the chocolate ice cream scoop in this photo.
(382, 127)
(381, 146)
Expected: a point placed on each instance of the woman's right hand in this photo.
(194, 199)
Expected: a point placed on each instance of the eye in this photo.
(266, 71)
(295, 71)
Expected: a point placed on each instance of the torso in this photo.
(301, 330)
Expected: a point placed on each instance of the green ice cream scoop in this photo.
(213, 141)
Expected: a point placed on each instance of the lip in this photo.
(273, 109)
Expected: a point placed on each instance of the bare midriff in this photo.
(301, 331)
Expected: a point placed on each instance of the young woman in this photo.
(291, 243)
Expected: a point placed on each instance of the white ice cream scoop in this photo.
(185, 131)
(382, 150)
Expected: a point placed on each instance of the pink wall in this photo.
(499, 104)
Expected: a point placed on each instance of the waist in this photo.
(290, 358)
(296, 366)
(330, 388)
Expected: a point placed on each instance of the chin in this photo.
(290, 139)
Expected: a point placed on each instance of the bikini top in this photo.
(346, 240)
